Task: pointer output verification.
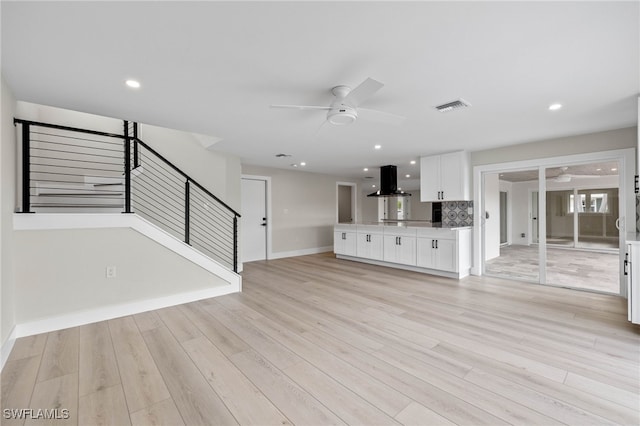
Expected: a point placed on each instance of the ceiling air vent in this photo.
(450, 106)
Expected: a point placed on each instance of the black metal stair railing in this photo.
(67, 169)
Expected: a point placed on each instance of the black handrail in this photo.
(71, 129)
(186, 176)
(130, 141)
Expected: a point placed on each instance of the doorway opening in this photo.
(504, 233)
(346, 202)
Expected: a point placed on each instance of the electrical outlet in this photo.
(110, 271)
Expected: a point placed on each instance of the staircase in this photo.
(72, 178)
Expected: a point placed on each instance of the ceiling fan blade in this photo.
(364, 91)
(301, 107)
(380, 117)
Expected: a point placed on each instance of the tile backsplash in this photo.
(457, 213)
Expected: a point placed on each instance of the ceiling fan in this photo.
(345, 108)
(565, 177)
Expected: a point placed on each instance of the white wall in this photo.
(580, 144)
(7, 205)
(303, 209)
(492, 223)
(61, 272)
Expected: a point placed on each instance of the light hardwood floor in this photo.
(581, 269)
(315, 341)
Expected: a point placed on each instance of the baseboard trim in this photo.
(455, 275)
(303, 252)
(75, 319)
(7, 346)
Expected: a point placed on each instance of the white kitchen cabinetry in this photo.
(437, 253)
(344, 240)
(370, 242)
(632, 275)
(445, 177)
(400, 245)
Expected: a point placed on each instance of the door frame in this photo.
(354, 200)
(626, 166)
(267, 180)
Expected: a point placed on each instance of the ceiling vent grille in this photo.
(450, 106)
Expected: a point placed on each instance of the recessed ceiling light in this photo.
(412, 162)
(555, 107)
(294, 165)
(597, 170)
(614, 169)
(303, 164)
(377, 147)
(366, 169)
(373, 186)
(133, 84)
(407, 176)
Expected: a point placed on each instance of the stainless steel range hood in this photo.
(389, 183)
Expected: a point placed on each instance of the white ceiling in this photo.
(215, 67)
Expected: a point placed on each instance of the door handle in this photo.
(618, 223)
(626, 264)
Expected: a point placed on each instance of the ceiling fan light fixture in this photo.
(342, 116)
(562, 178)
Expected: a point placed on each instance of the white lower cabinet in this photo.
(369, 243)
(632, 275)
(344, 242)
(437, 253)
(400, 246)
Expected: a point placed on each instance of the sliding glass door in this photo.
(564, 230)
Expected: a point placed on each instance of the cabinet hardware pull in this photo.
(433, 243)
(399, 241)
(626, 263)
(436, 243)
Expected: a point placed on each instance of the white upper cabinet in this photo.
(445, 177)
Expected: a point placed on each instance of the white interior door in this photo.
(254, 219)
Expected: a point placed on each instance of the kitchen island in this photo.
(418, 246)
